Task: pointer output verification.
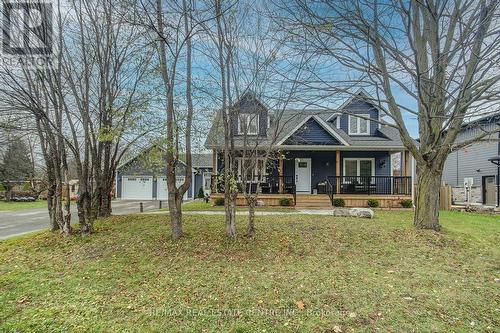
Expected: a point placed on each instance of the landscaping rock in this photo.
(341, 212)
(354, 212)
(259, 203)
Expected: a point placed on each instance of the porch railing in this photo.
(370, 185)
(265, 184)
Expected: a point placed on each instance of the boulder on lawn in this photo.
(354, 212)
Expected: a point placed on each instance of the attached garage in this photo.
(162, 187)
(143, 177)
(137, 187)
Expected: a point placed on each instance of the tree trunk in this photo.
(8, 193)
(66, 229)
(252, 202)
(427, 199)
(175, 210)
(105, 207)
(230, 213)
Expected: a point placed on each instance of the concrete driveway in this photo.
(19, 222)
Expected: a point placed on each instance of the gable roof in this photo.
(198, 160)
(329, 129)
(286, 122)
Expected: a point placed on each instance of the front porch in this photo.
(311, 176)
(322, 200)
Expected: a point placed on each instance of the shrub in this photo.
(373, 203)
(219, 202)
(2, 188)
(285, 202)
(407, 203)
(201, 194)
(338, 202)
(26, 187)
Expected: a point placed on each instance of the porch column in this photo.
(406, 169)
(337, 170)
(280, 172)
(214, 171)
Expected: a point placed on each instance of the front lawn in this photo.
(300, 274)
(4, 205)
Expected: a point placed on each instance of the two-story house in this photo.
(318, 155)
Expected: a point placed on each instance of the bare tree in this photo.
(442, 56)
(105, 68)
(249, 64)
(170, 25)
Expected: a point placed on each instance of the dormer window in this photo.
(248, 123)
(359, 125)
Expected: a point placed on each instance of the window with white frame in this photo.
(359, 125)
(252, 168)
(358, 167)
(248, 123)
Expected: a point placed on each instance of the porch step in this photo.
(313, 201)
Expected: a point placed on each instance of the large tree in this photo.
(434, 60)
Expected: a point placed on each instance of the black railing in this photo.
(384, 185)
(265, 184)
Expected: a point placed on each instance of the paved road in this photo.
(14, 223)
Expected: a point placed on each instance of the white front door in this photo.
(162, 190)
(303, 174)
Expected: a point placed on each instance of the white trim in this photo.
(247, 125)
(358, 167)
(322, 124)
(333, 115)
(359, 117)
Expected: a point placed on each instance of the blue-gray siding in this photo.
(360, 107)
(323, 163)
(311, 133)
(472, 162)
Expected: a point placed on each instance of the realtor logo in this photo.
(27, 28)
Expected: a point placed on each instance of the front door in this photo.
(303, 174)
(489, 190)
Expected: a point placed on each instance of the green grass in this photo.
(300, 274)
(22, 205)
(202, 206)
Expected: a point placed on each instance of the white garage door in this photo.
(137, 188)
(162, 187)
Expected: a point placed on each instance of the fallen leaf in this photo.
(300, 305)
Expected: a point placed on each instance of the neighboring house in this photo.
(73, 188)
(202, 163)
(345, 153)
(471, 163)
(143, 177)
